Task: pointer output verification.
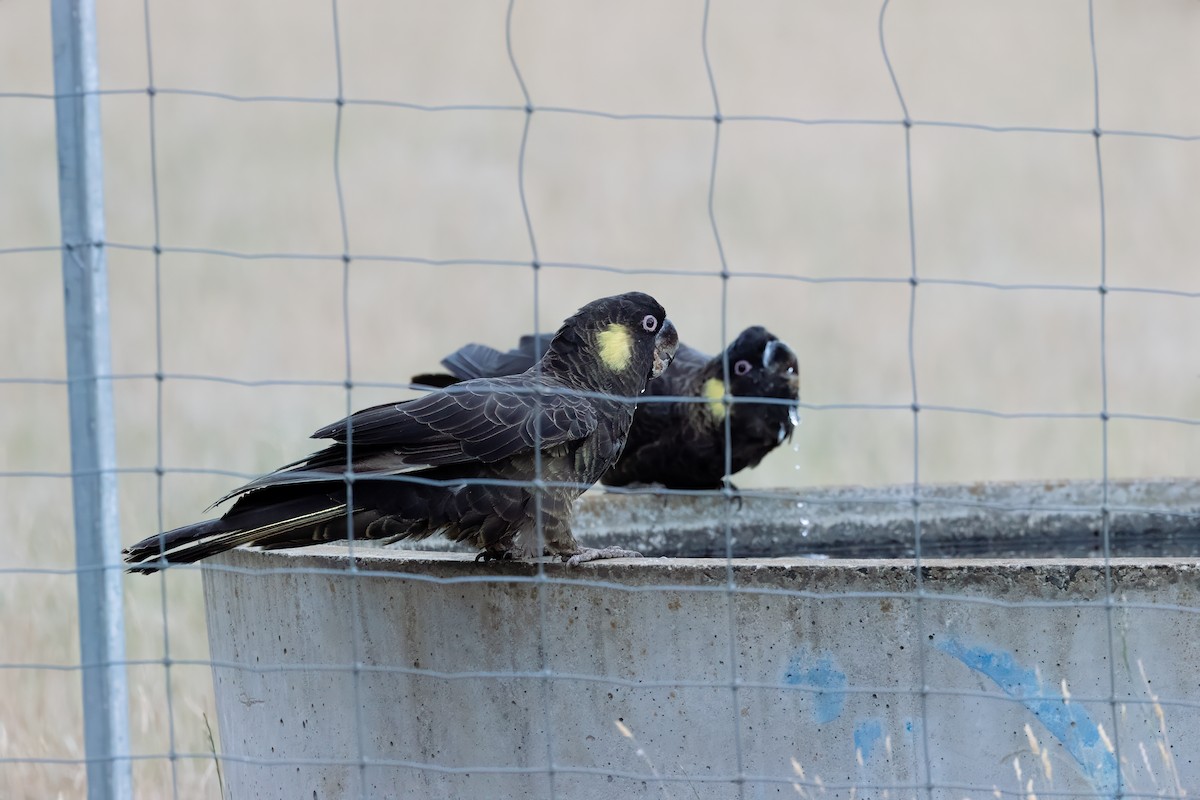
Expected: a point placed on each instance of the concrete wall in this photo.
(636, 697)
(1041, 519)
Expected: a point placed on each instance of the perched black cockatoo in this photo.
(564, 420)
(681, 445)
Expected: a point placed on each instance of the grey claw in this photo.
(735, 494)
(594, 554)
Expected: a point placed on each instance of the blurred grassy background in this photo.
(821, 201)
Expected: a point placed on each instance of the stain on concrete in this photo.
(867, 734)
(1067, 722)
(821, 674)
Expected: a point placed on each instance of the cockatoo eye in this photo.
(649, 323)
(742, 367)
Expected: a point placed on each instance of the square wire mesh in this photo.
(173, 291)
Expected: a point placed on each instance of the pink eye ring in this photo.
(649, 323)
(742, 367)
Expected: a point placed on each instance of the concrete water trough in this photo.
(819, 662)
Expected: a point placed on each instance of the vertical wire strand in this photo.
(538, 484)
(727, 489)
(1105, 516)
(927, 785)
(159, 379)
(356, 619)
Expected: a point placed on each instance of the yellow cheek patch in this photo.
(616, 346)
(714, 392)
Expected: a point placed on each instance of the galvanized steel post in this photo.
(93, 447)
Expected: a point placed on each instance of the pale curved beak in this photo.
(665, 345)
(781, 359)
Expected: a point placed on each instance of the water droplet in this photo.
(794, 415)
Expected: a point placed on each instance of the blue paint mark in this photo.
(908, 726)
(866, 736)
(822, 674)
(1067, 722)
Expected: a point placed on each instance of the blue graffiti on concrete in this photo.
(807, 671)
(1068, 722)
(866, 735)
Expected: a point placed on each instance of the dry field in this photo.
(429, 194)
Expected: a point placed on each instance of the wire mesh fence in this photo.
(973, 223)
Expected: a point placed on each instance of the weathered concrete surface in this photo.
(1040, 519)
(621, 674)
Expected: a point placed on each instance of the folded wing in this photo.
(484, 421)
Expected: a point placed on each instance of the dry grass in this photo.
(820, 201)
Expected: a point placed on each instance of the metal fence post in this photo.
(93, 446)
